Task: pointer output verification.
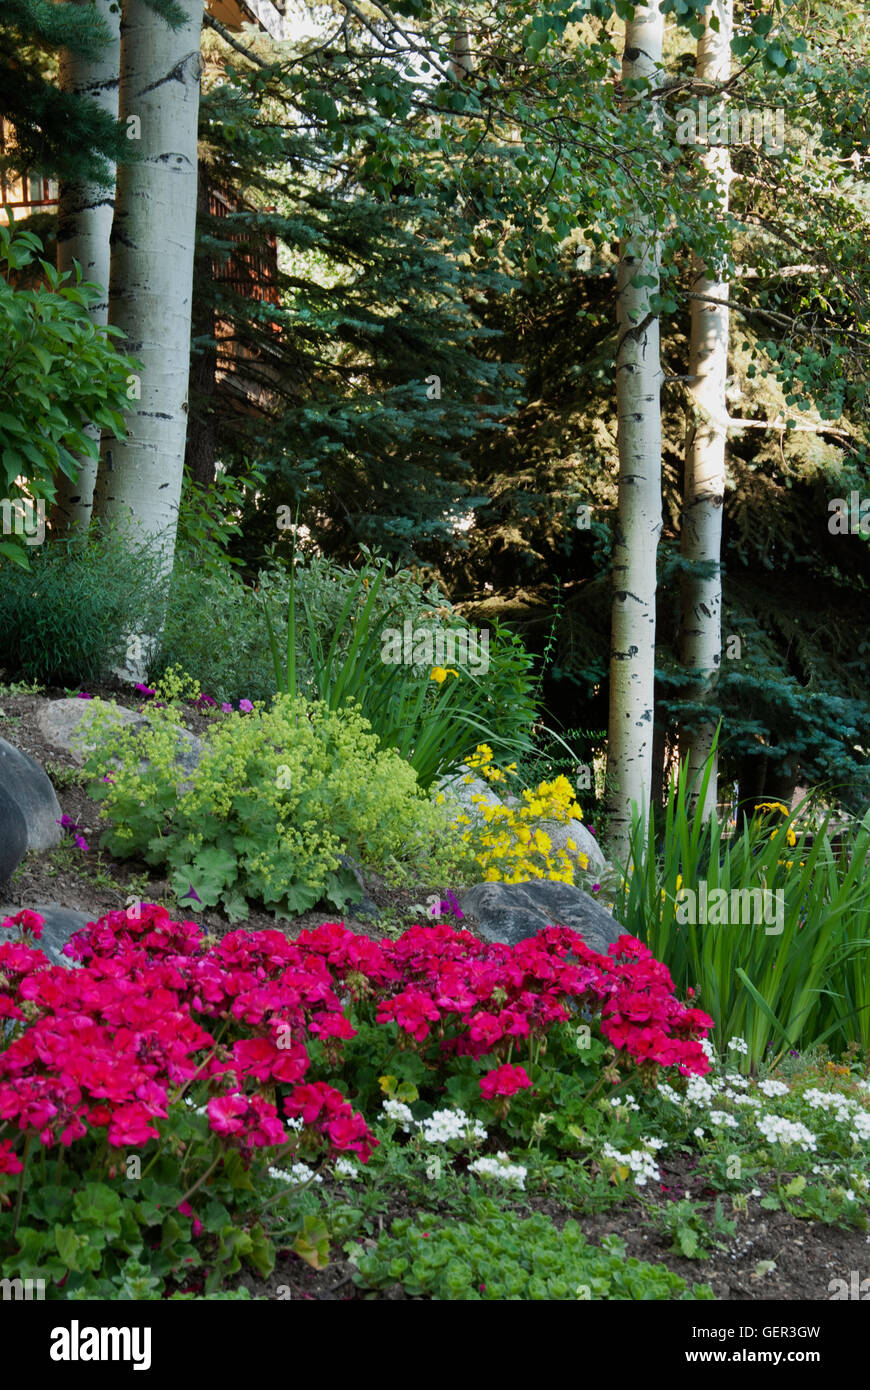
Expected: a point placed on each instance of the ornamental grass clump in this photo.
(791, 977)
(278, 795)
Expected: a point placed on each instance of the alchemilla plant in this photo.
(276, 798)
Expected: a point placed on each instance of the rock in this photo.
(65, 723)
(511, 912)
(13, 835)
(461, 786)
(26, 783)
(59, 924)
(366, 907)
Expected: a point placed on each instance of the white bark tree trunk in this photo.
(704, 489)
(638, 383)
(84, 226)
(150, 290)
(461, 55)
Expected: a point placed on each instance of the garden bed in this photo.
(749, 1242)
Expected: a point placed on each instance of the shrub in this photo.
(214, 624)
(500, 1257)
(276, 797)
(65, 621)
(60, 374)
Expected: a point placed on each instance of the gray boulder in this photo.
(366, 906)
(66, 724)
(60, 923)
(511, 912)
(26, 783)
(13, 835)
(460, 787)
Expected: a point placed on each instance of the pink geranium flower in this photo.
(505, 1080)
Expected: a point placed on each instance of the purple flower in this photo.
(203, 701)
(246, 706)
(83, 695)
(191, 894)
(596, 888)
(144, 689)
(449, 904)
(227, 709)
(67, 823)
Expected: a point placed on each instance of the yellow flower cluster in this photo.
(509, 849)
(791, 837)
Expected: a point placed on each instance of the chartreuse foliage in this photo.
(275, 799)
(499, 1257)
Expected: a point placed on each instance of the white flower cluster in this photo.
(721, 1117)
(842, 1106)
(400, 1113)
(444, 1125)
(668, 1093)
(733, 1078)
(294, 1122)
(626, 1102)
(778, 1130)
(738, 1045)
(299, 1173)
(708, 1049)
(641, 1161)
(699, 1091)
(860, 1126)
(346, 1168)
(737, 1099)
(500, 1167)
(772, 1088)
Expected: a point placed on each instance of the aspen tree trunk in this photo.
(84, 226)
(150, 289)
(461, 55)
(704, 488)
(638, 382)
